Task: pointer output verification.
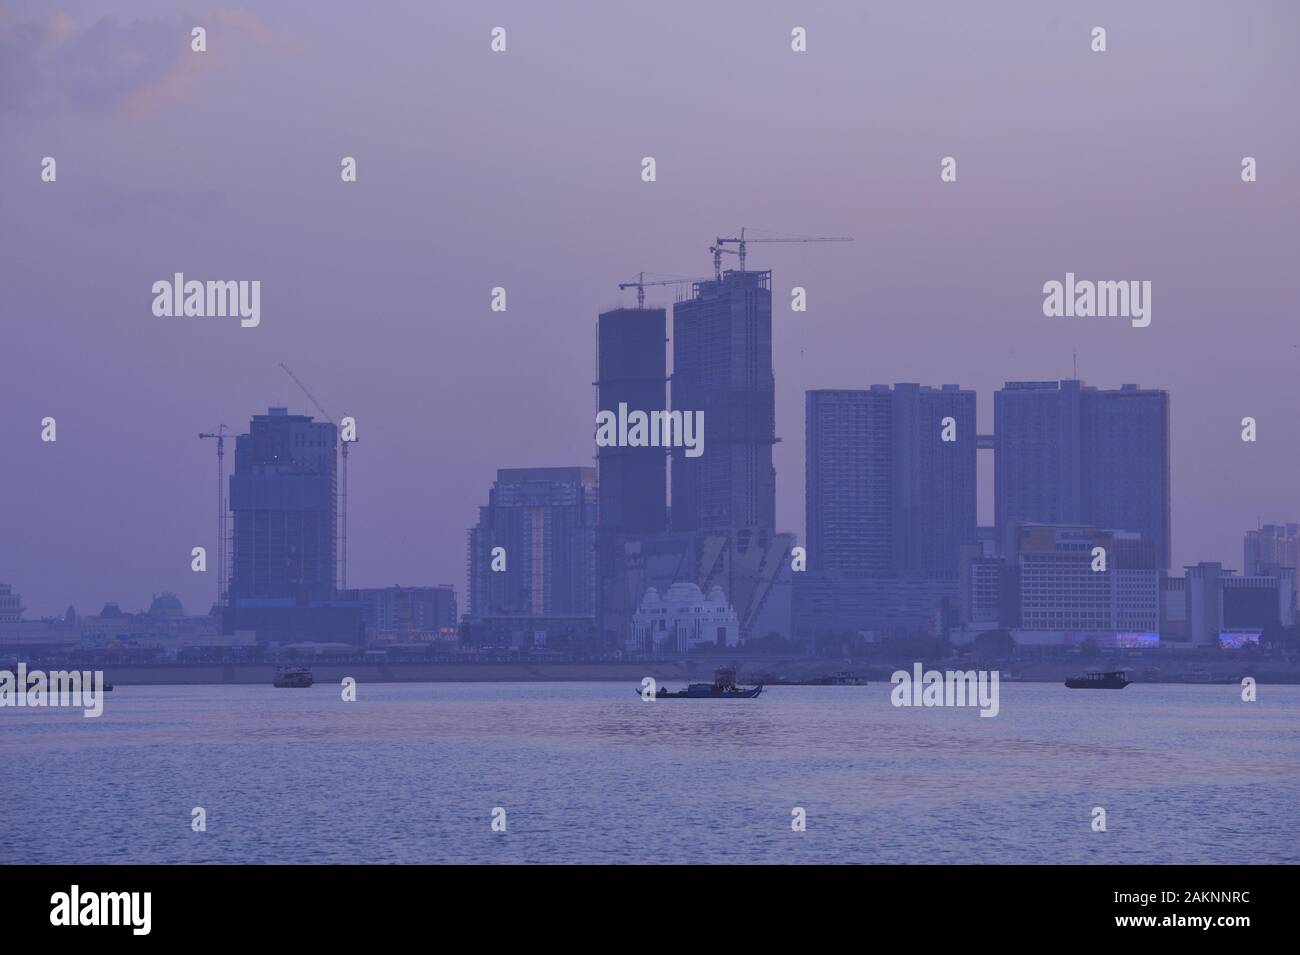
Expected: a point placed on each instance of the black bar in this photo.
(214, 904)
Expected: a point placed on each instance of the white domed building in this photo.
(682, 620)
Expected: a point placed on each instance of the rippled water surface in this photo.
(587, 772)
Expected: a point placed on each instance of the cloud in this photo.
(54, 64)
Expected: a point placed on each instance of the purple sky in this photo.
(522, 170)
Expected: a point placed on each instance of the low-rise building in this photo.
(871, 607)
(407, 613)
(683, 619)
(1222, 608)
(1065, 584)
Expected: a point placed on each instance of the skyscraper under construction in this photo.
(631, 368)
(722, 365)
(284, 498)
(721, 522)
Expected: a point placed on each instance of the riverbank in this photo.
(665, 671)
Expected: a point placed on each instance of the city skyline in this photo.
(243, 449)
(930, 539)
(378, 291)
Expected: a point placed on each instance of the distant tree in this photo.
(1291, 638)
(855, 644)
(771, 642)
(1273, 636)
(995, 644)
(1088, 650)
(918, 645)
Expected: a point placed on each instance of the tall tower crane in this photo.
(220, 435)
(742, 241)
(640, 285)
(343, 482)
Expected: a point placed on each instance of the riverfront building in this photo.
(683, 619)
(538, 530)
(1070, 454)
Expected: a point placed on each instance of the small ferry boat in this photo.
(31, 680)
(839, 678)
(723, 687)
(293, 677)
(842, 678)
(1099, 680)
(1205, 677)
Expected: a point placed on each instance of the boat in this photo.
(839, 678)
(842, 678)
(1202, 677)
(723, 687)
(1099, 680)
(31, 679)
(293, 677)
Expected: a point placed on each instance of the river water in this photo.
(589, 773)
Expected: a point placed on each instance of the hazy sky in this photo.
(523, 170)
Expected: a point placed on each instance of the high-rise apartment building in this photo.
(1125, 453)
(1071, 454)
(1271, 549)
(848, 480)
(538, 530)
(890, 478)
